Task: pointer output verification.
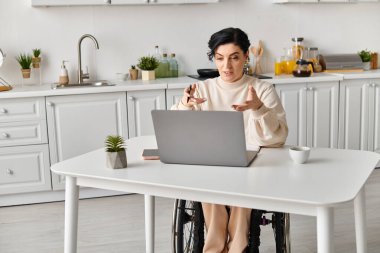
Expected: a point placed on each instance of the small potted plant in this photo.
(116, 156)
(148, 64)
(133, 72)
(36, 58)
(25, 60)
(366, 57)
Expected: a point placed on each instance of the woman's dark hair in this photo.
(225, 36)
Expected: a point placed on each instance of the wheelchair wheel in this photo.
(281, 230)
(188, 227)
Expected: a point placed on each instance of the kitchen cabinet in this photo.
(140, 105)
(80, 123)
(45, 3)
(24, 169)
(360, 114)
(173, 96)
(311, 112)
(24, 156)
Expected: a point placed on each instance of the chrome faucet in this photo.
(82, 75)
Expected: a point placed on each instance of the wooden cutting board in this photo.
(5, 88)
(343, 70)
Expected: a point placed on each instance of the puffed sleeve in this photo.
(267, 126)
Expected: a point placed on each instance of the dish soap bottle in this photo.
(64, 76)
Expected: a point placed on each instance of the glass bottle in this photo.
(163, 68)
(173, 66)
(158, 57)
(288, 62)
(278, 66)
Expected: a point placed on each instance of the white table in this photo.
(272, 182)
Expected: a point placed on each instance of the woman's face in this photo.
(229, 60)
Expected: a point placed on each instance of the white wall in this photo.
(127, 32)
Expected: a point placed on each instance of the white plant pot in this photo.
(116, 160)
(148, 75)
(366, 65)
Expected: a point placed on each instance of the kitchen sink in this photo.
(85, 84)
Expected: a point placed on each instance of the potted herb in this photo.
(133, 72)
(148, 64)
(36, 58)
(116, 156)
(25, 60)
(366, 57)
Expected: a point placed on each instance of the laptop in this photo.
(214, 138)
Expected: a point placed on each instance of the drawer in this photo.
(23, 133)
(19, 109)
(24, 169)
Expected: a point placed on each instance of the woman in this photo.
(264, 121)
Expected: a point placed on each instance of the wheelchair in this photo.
(188, 229)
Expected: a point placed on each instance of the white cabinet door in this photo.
(322, 114)
(173, 96)
(311, 113)
(293, 99)
(374, 116)
(140, 105)
(80, 123)
(354, 114)
(24, 169)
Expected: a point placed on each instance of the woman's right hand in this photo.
(188, 98)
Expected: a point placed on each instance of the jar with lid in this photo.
(313, 56)
(298, 48)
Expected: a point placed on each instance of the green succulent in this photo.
(148, 63)
(114, 143)
(25, 60)
(133, 67)
(36, 52)
(365, 55)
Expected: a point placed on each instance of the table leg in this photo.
(360, 222)
(149, 223)
(71, 214)
(325, 229)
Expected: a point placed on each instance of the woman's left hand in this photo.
(253, 102)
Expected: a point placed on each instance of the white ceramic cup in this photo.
(299, 154)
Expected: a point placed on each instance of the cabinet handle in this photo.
(3, 110)
(373, 85)
(50, 103)
(311, 88)
(305, 88)
(10, 172)
(6, 135)
(131, 98)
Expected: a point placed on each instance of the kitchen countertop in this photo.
(172, 83)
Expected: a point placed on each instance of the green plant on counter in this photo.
(148, 63)
(133, 67)
(36, 52)
(365, 55)
(114, 143)
(25, 60)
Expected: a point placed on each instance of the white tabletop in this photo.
(331, 176)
